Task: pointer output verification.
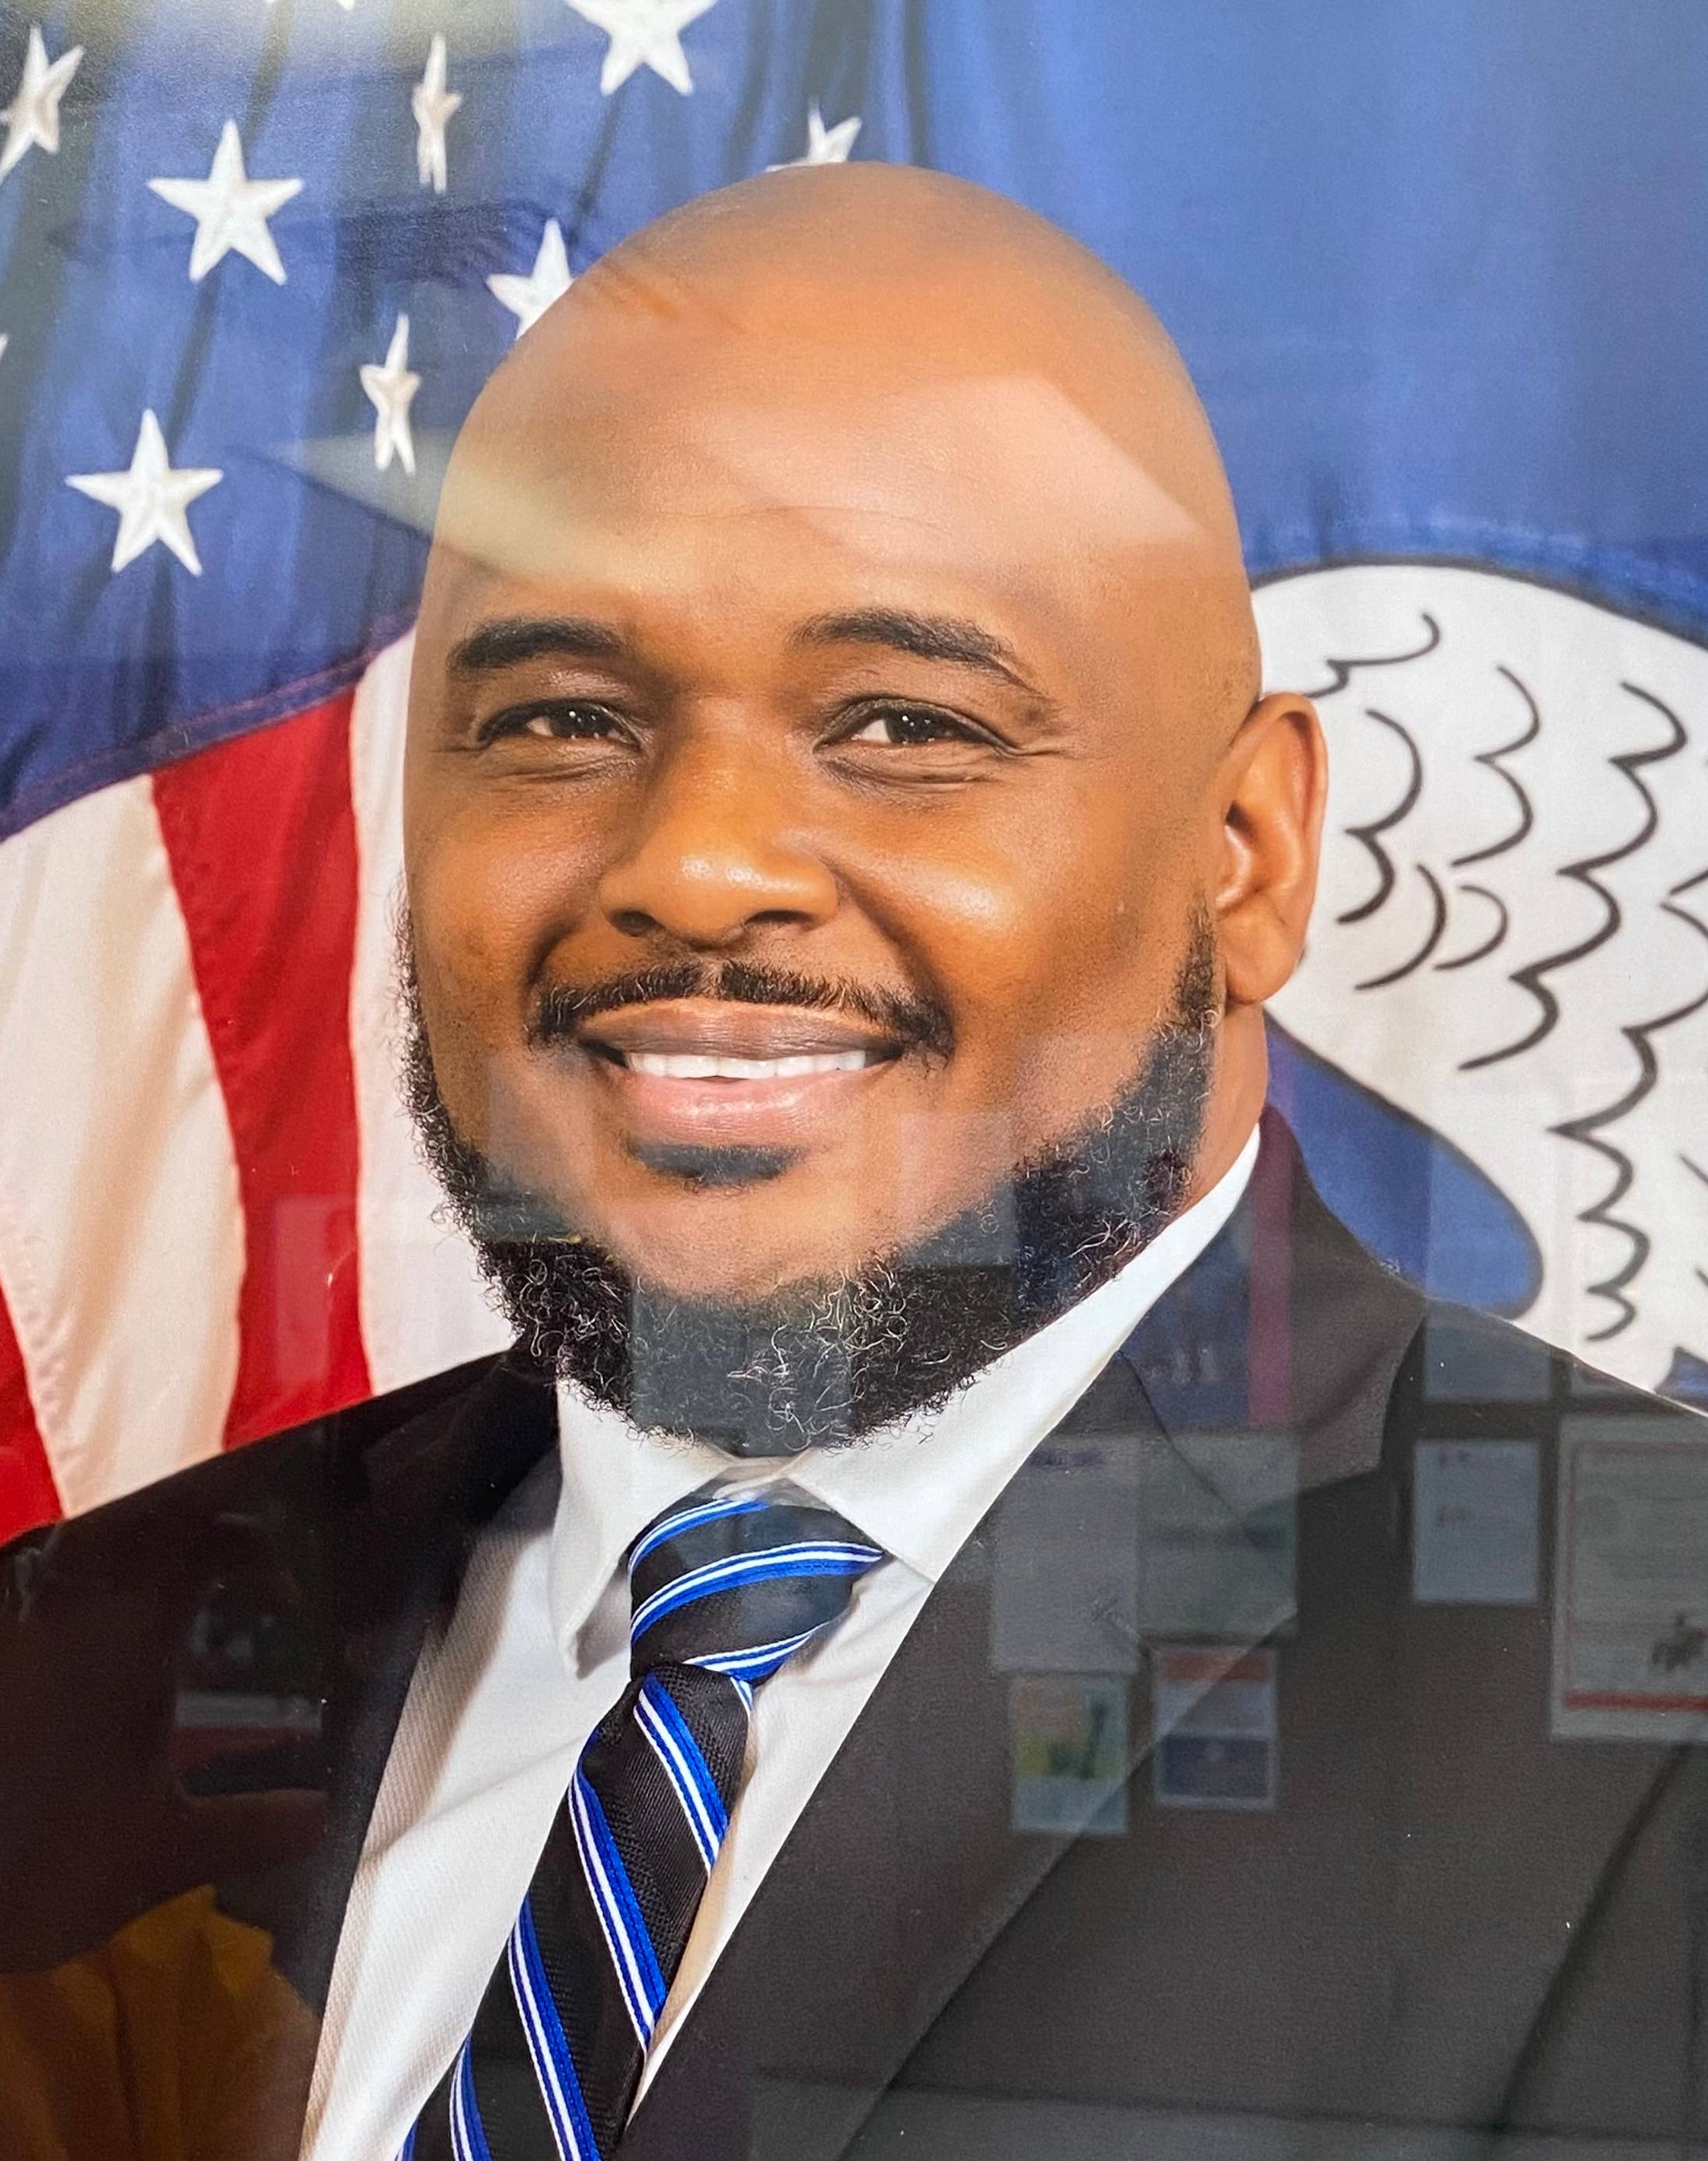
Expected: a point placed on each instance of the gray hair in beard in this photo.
(821, 1364)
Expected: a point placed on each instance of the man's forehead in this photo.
(1018, 441)
(485, 620)
(1000, 481)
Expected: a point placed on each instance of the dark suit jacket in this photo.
(1430, 1915)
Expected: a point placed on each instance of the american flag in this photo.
(263, 257)
(258, 261)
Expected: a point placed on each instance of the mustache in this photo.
(916, 1022)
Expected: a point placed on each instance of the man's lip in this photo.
(705, 1029)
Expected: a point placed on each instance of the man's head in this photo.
(846, 844)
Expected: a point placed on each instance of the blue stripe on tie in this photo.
(759, 1661)
(823, 1558)
(406, 2152)
(709, 1511)
(626, 1937)
(678, 1751)
(554, 2066)
(468, 2134)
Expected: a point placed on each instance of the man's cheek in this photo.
(972, 922)
(471, 944)
(946, 1160)
(476, 1040)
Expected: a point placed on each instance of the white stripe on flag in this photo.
(422, 1309)
(122, 1238)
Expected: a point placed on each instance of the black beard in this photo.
(820, 1365)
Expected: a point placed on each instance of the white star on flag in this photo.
(825, 146)
(231, 210)
(151, 499)
(32, 117)
(643, 33)
(433, 105)
(390, 388)
(528, 298)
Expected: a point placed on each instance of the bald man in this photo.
(927, 1642)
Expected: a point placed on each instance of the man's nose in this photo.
(716, 852)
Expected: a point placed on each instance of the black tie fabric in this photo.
(724, 1589)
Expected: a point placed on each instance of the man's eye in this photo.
(897, 726)
(559, 721)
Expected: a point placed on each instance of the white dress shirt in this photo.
(537, 1651)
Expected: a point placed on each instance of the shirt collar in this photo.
(917, 1488)
(616, 1480)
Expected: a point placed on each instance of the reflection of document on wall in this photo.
(1218, 1537)
(1214, 1728)
(1631, 1580)
(1474, 1523)
(1069, 1517)
(1069, 1752)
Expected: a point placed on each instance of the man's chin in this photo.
(732, 1272)
(748, 1291)
(742, 1243)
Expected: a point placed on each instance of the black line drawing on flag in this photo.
(1509, 948)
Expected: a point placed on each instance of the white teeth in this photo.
(688, 1065)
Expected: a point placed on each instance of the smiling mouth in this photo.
(723, 1039)
(697, 1065)
(700, 1073)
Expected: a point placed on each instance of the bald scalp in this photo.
(966, 327)
(908, 274)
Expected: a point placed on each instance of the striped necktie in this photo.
(724, 1589)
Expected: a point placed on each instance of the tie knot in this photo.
(739, 1582)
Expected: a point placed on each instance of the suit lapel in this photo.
(392, 1538)
(389, 1552)
(1284, 1326)
(905, 1867)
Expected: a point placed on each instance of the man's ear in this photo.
(1270, 787)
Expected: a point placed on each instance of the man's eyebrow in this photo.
(927, 637)
(507, 641)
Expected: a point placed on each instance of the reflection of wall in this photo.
(1425, 1831)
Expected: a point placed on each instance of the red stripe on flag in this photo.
(28, 1494)
(261, 836)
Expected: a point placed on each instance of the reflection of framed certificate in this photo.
(1216, 1727)
(1631, 1580)
(1069, 1752)
(1475, 1522)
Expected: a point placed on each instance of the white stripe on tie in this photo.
(546, 2069)
(768, 1564)
(611, 1920)
(459, 2122)
(712, 1512)
(766, 1655)
(668, 1749)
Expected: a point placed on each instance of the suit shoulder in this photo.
(1496, 1368)
(263, 1472)
(363, 1423)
